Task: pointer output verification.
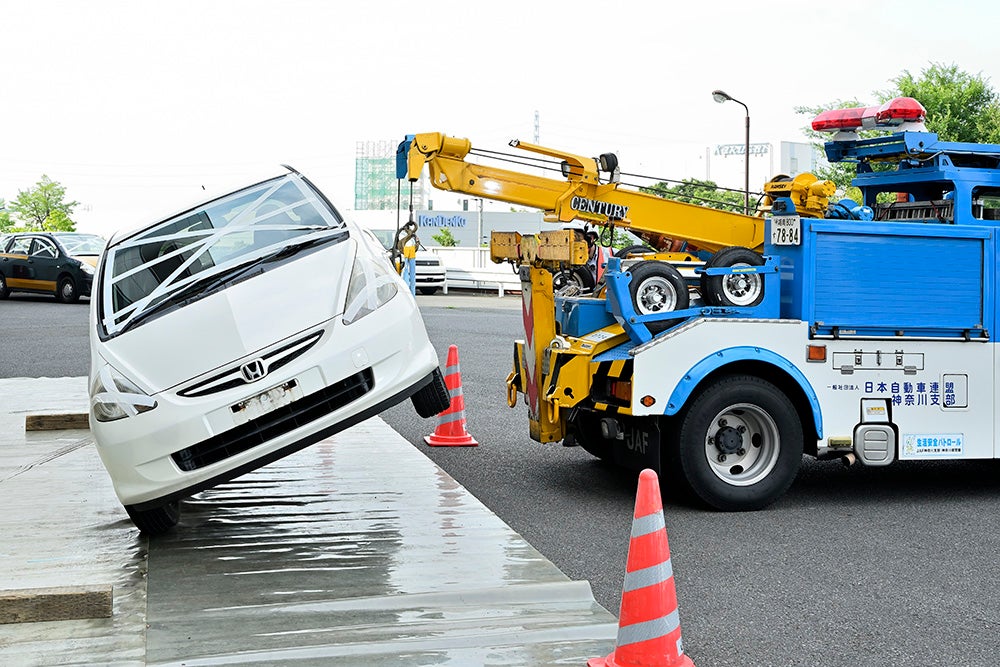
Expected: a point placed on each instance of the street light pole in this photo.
(720, 97)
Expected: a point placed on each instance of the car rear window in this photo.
(148, 268)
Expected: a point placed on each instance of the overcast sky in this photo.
(133, 106)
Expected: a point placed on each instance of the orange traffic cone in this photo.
(450, 431)
(649, 628)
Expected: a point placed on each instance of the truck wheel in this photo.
(739, 444)
(157, 520)
(735, 289)
(657, 287)
(639, 249)
(433, 398)
(585, 430)
(579, 277)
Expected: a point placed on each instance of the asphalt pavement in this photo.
(853, 566)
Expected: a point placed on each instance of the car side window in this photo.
(20, 246)
(44, 248)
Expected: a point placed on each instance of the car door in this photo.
(14, 264)
(45, 260)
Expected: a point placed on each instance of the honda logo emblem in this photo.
(253, 370)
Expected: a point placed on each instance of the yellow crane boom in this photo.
(581, 195)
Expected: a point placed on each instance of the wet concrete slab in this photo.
(357, 550)
(62, 525)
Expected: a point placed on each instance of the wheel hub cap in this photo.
(728, 440)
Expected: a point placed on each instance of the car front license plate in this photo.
(265, 402)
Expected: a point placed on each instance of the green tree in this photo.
(6, 224)
(960, 106)
(445, 239)
(702, 193)
(44, 207)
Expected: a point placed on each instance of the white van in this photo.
(239, 331)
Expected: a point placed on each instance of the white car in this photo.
(238, 332)
(429, 274)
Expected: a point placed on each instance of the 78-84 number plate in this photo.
(786, 230)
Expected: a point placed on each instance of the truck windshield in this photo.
(153, 266)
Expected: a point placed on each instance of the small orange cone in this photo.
(649, 628)
(450, 431)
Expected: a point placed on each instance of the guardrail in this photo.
(500, 277)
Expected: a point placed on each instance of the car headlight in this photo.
(86, 268)
(113, 396)
(372, 284)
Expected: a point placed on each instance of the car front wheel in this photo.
(157, 520)
(433, 398)
(4, 292)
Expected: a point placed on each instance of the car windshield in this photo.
(387, 237)
(214, 241)
(81, 244)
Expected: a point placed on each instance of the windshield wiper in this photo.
(200, 289)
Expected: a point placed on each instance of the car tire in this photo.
(66, 292)
(157, 520)
(4, 292)
(427, 291)
(433, 398)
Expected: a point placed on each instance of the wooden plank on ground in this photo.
(56, 422)
(63, 603)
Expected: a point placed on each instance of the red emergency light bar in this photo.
(893, 113)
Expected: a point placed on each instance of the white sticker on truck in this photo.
(922, 445)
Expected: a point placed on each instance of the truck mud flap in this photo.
(639, 446)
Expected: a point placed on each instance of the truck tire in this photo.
(578, 277)
(585, 431)
(735, 289)
(639, 249)
(738, 445)
(157, 520)
(657, 287)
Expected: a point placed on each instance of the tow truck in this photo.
(835, 341)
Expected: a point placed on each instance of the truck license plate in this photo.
(786, 230)
(268, 401)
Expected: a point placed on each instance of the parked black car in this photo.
(57, 263)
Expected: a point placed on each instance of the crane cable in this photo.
(556, 166)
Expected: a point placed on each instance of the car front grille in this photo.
(274, 424)
(232, 377)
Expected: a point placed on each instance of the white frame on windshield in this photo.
(115, 321)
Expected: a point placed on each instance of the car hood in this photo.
(234, 323)
(87, 259)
